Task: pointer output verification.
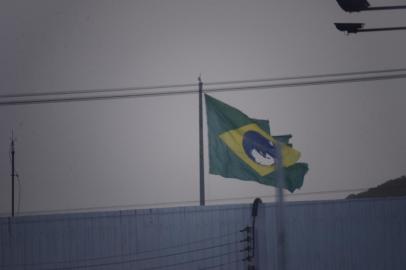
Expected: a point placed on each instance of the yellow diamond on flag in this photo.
(257, 148)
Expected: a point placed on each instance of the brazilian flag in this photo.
(241, 147)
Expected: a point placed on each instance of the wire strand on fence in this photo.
(220, 265)
(179, 246)
(86, 266)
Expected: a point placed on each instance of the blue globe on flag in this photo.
(258, 148)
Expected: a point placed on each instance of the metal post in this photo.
(280, 216)
(382, 29)
(386, 8)
(12, 175)
(201, 157)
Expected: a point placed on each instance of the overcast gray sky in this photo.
(143, 152)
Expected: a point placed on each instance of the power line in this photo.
(158, 87)
(93, 98)
(335, 191)
(49, 97)
(310, 83)
(321, 192)
(132, 208)
(326, 75)
(92, 91)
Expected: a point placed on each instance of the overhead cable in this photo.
(159, 87)
(325, 75)
(181, 89)
(76, 210)
(321, 192)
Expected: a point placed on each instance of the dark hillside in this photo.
(391, 188)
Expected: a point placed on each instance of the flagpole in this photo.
(201, 157)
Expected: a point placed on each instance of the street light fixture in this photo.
(363, 5)
(349, 27)
(353, 5)
(352, 28)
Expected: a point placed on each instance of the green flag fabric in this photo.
(241, 147)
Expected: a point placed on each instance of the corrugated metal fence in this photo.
(173, 238)
(346, 234)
